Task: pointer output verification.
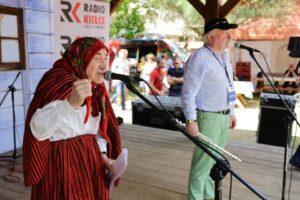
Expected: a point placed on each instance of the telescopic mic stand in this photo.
(217, 174)
(14, 155)
(287, 121)
(221, 164)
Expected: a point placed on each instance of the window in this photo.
(12, 51)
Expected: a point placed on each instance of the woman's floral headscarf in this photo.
(78, 55)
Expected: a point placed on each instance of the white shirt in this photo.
(205, 84)
(58, 120)
(168, 63)
(120, 66)
(148, 68)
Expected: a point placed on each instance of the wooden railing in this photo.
(280, 89)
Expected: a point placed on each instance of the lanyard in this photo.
(223, 65)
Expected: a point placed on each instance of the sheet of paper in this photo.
(119, 168)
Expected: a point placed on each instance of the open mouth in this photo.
(101, 73)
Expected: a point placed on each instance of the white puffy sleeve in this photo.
(56, 115)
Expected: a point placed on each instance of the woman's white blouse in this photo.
(58, 120)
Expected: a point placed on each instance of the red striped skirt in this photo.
(75, 171)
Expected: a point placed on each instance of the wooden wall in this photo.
(38, 26)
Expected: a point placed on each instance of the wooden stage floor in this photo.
(159, 162)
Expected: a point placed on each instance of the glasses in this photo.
(176, 63)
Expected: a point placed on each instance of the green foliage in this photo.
(129, 18)
(181, 10)
(251, 9)
(132, 15)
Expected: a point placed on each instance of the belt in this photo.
(222, 112)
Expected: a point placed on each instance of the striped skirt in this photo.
(75, 171)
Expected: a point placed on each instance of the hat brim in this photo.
(226, 26)
(223, 27)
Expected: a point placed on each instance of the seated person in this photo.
(260, 82)
(290, 72)
(175, 78)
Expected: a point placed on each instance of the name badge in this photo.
(231, 96)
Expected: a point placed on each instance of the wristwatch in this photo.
(190, 121)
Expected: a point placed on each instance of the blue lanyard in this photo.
(223, 65)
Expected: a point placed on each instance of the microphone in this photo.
(240, 46)
(108, 75)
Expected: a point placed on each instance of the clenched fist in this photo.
(80, 90)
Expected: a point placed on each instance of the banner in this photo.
(74, 19)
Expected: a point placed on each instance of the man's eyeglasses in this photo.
(176, 63)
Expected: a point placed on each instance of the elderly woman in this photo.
(71, 133)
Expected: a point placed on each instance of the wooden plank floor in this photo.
(159, 162)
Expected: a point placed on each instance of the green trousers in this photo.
(215, 126)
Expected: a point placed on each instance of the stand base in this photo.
(13, 168)
(7, 158)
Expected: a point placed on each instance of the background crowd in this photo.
(164, 74)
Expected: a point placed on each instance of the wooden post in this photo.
(214, 8)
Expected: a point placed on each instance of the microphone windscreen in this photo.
(107, 75)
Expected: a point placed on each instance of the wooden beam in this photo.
(228, 7)
(212, 9)
(113, 5)
(199, 6)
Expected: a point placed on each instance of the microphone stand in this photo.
(221, 163)
(12, 89)
(287, 121)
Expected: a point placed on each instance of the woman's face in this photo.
(97, 66)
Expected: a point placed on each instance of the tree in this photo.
(131, 15)
(129, 18)
(246, 10)
(252, 9)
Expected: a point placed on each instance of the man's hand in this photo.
(192, 129)
(232, 121)
(80, 90)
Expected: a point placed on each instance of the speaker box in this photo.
(273, 115)
(145, 115)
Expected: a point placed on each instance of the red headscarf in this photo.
(78, 55)
(56, 84)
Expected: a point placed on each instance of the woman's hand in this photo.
(80, 90)
(108, 163)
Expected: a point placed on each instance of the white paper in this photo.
(119, 168)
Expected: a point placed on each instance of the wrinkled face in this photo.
(97, 66)
(220, 39)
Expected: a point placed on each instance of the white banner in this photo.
(79, 18)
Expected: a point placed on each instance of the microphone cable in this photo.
(179, 126)
(294, 139)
